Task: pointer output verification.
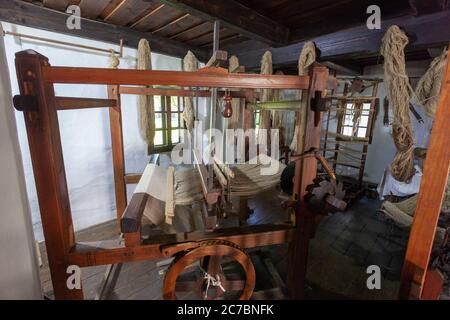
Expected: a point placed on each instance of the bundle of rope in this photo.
(266, 94)
(145, 103)
(399, 94)
(190, 64)
(235, 103)
(429, 85)
(114, 61)
(307, 57)
(277, 116)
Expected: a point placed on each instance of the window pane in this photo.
(158, 138)
(364, 120)
(174, 103)
(175, 136)
(366, 106)
(362, 132)
(348, 120)
(157, 101)
(348, 131)
(158, 121)
(174, 123)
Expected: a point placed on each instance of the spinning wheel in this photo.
(202, 271)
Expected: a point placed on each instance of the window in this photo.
(358, 129)
(257, 118)
(168, 122)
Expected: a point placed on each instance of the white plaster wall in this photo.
(85, 133)
(19, 272)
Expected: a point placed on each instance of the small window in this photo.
(168, 122)
(359, 129)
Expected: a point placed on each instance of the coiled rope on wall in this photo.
(399, 93)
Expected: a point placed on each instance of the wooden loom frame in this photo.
(418, 281)
(37, 99)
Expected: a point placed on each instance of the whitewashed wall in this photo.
(84, 133)
(19, 272)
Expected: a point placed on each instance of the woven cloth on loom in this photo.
(248, 181)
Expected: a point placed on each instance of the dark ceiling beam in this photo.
(428, 6)
(346, 16)
(35, 16)
(235, 16)
(424, 31)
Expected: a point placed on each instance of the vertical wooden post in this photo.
(44, 140)
(305, 219)
(115, 123)
(369, 133)
(431, 193)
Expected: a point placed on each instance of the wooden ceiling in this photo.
(151, 16)
(175, 26)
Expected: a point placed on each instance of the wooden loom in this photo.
(40, 105)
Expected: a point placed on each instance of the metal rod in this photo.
(65, 43)
(212, 120)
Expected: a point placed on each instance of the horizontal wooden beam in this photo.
(109, 252)
(424, 31)
(31, 15)
(208, 78)
(132, 178)
(70, 103)
(178, 92)
(236, 16)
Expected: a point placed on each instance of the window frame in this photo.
(166, 127)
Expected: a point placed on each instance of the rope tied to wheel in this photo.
(211, 281)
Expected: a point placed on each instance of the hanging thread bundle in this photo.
(266, 94)
(236, 103)
(190, 64)
(145, 103)
(429, 85)
(307, 57)
(399, 93)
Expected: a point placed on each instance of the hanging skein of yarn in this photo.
(429, 85)
(266, 94)
(236, 103)
(190, 64)
(145, 103)
(399, 93)
(114, 61)
(307, 57)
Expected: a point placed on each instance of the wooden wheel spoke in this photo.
(211, 257)
(184, 286)
(233, 285)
